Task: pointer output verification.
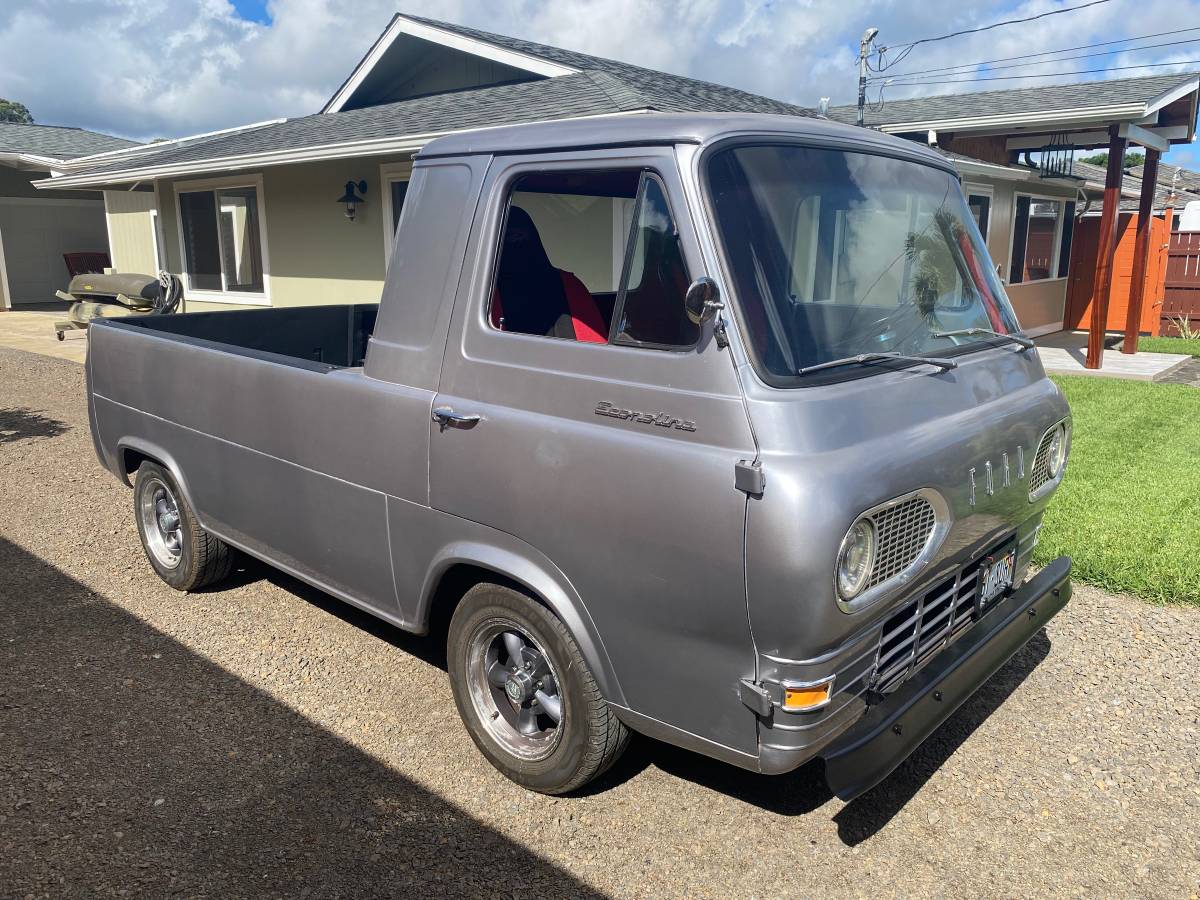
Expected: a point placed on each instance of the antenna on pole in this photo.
(863, 46)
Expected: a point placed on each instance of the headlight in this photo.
(855, 559)
(1058, 450)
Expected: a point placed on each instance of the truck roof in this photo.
(643, 129)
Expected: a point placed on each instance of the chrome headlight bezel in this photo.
(897, 582)
(1054, 476)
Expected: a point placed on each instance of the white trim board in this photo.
(388, 173)
(401, 25)
(5, 294)
(223, 296)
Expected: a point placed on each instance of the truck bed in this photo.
(317, 337)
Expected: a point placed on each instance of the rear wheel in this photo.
(526, 694)
(183, 554)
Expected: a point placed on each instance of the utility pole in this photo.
(863, 47)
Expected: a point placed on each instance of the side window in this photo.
(650, 303)
(580, 249)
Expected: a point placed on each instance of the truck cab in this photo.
(717, 428)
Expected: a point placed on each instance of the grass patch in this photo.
(1128, 510)
(1168, 345)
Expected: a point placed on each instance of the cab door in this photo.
(612, 455)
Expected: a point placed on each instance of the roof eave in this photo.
(1060, 118)
(409, 143)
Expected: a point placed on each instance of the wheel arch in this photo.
(462, 565)
(132, 452)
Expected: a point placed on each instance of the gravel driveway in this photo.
(266, 739)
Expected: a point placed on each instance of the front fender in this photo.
(541, 577)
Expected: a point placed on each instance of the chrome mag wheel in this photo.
(161, 522)
(515, 690)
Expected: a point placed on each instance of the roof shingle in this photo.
(56, 142)
(1079, 95)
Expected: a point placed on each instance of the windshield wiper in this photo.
(1026, 343)
(877, 357)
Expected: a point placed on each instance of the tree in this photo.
(1132, 159)
(12, 111)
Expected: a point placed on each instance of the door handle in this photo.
(448, 418)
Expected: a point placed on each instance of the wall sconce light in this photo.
(351, 199)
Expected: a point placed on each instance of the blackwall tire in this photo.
(182, 553)
(507, 692)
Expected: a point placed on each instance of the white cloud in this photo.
(162, 68)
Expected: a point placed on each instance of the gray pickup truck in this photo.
(716, 428)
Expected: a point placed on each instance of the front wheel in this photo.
(182, 553)
(526, 695)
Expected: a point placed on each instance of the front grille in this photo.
(916, 633)
(1039, 475)
(901, 533)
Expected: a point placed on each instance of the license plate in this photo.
(996, 577)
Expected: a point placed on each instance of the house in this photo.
(254, 216)
(1044, 216)
(36, 228)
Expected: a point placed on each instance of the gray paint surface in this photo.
(676, 585)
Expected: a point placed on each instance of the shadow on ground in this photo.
(21, 424)
(796, 793)
(130, 763)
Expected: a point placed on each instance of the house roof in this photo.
(661, 90)
(599, 87)
(55, 142)
(1183, 179)
(1126, 97)
(1131, 187)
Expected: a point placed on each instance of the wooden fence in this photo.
(1181, 289)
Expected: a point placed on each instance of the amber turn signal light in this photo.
(805, 697)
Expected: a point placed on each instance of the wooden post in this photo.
(1141, 252)
(1107, 247)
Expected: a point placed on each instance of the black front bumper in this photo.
(889, 731)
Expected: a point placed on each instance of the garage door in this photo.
(36, 233)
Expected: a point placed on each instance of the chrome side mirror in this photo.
(702, 300)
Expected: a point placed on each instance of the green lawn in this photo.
(1168, 345)
(1128, 510)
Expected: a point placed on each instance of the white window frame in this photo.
(389, 174)
(984, 190)
(156, 237)
(238, 298)
(1012, 237)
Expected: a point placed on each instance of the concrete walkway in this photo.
(34, 333)
(1064, 352)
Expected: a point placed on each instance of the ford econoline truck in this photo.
(716, 428)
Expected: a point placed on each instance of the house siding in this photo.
(314, 254)
(131, 230)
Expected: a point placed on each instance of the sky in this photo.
(165, 68)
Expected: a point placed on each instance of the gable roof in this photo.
(55, 142)
(601, 88)
(1133, 98)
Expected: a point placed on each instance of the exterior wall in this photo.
(1040, 305)
(314, 255)
(131, 231)
(18, 183)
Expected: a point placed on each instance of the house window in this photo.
(582, 250)
(1042, 232)
(221, 231)
(393, 177)
(981, 210)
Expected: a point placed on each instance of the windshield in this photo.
(835, 254)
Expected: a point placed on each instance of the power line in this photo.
(1181, 62)
(1053, 12)
(1046, 62)
(987, 62)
